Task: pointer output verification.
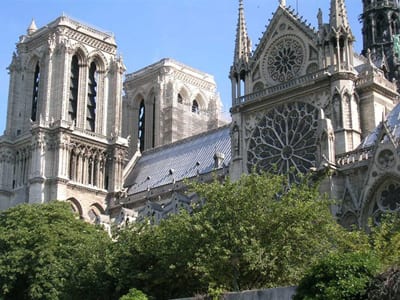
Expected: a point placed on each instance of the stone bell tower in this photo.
(381, 34)
(64, 119)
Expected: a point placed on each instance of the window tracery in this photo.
(387, 200)
(285, 140)
(284, 59)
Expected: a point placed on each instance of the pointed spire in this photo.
(32, 27)
(242, 44)
(339, 15)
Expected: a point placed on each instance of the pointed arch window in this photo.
(195, 107)
(180, 99)
(92, 98)
(141, 125)
(73, 89)
(35, 95)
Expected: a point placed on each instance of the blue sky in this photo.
(199, 33)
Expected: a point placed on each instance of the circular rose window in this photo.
(285, 140)
(284, 59)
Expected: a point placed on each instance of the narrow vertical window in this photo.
(154, 122)
(73, 89)
(92, 97)
(195, 107)
(141, 125)
(180, 99)
(36, 79)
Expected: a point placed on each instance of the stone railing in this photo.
(305, 80)
(354, 156)
(375, 78)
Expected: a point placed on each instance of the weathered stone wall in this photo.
(284, 293)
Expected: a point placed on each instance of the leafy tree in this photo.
(47, 253)
(134, 294)
(249, 234)
(385, 240)
(339, 277)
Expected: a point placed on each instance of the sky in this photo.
(199, 33)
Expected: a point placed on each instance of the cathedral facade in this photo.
(302, 101)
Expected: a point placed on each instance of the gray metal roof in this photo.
(393, 124)
(179, 160)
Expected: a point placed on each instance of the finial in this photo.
(32, 27)
(283, 3)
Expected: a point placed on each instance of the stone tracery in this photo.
(284, 59)
(285, 140)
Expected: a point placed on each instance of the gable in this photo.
(287, 50)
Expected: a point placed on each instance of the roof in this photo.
(393, 124)
(183, 159)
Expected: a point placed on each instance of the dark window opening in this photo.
(180, 99)
(92, 97)
(73, 89)
(141, 125)
(35, 95)
(195, 107)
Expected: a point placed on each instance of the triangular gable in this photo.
(286, 32)
(294, 23)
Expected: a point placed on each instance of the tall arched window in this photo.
(73, 89)
(180, 99)
(36, 79)
(195, 107)
(141, 125)
(92, 97)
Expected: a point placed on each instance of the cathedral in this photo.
(120, 146)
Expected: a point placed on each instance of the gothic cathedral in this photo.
(302, 102)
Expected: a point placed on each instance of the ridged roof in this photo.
(392, 123)
(177, 161)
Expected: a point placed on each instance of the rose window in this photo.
(388, 200)
(285, 140)
(285, 59)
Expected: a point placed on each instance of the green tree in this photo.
(134, 294)
(249, 234)
(47, 253)
(343, 276)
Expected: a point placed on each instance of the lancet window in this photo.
(92, 97)
(35, 95)
(142, 124)
(73, 89)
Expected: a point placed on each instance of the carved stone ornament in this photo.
(284, 59)
(285, 140)
(386, 159)
(387, 200)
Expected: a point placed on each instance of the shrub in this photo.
(338, 276)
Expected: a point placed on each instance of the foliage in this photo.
(385, 286)
(250, 234)
(338, 277)
(134, 294)
(47, 253)
(385, 240)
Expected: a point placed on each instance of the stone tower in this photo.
(62, 139)
(302, 97)
(381, 34)
(168, 101)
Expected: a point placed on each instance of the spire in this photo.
(242, 44)
(32, 27)
(339, 15)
